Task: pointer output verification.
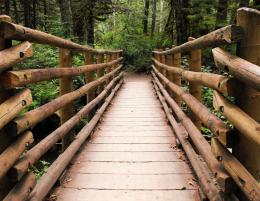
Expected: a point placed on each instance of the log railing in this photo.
(18, 153)
(236, 175)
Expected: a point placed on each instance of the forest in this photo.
(137, 27)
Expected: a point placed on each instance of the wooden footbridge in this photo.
(143, 139)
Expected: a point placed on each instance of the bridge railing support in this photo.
(241, 165)
(17, 158)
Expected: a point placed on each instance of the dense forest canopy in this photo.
(135, 26)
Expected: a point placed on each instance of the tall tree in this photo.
(244, 3)
(66, 16)
(7, 7)
(221, 17)
(181, 19)
(168, 30)
(153, 17)
(146, 15)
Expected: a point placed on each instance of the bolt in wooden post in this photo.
(177, 79)
(195, 89)
(65, 57)
(89, 77)
(247, 151)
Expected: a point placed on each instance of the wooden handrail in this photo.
(238, 67)
(45, 184)
(12, 79)
(223, 36)
(34, 154)
(17, 32)
(31, 118)
(202, 112)
(226, 85)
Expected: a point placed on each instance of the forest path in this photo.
(132, 154)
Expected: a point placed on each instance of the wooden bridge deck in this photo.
(132, 154)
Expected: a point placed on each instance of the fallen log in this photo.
(31, 118)
(198, 140)
(13, 152)
(46, 182)
(35, 153)
(12, 106)
(242, 69)
(242, 121)
(218, 127)
(22, 189)
(226, 35)
(17, 32)
(12, 79)
(209, 187)
(14, 55)
(226, 85)
(238, 172)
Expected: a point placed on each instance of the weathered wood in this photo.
(198, 140)
(35, 153)
(46, 182)
(171, 76)
(223, 36)
(219, 129)
(66, 86)
(238, 67)
(242, 121)
(246, 151)
(13, 152)
(12, 106)
(238, 172)
(226, 85)
(195, 88)
(31, 118)
(12, 79)
(89, 77)
(177, 79)
(14, 55)
(100, 72)
(22, 189)
(209, 187)
(17, 32)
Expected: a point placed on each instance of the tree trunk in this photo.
(244, 3)
(161, 15)
(153, 17)
(34, 13)
(181, 20)
(45, 14)
(66, 16)
(27, 13)
(90, 28)
(146, 15)
(221, 18)
(7, 7)
(170, 21)
(16, 16)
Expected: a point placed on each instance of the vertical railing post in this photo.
(66, 86)
(100, 72)
(109, 68)
(194, 88)
(177, 79)
(89, 77)
(5, 139)
(169, 62)
(247, 151)
(114, 57)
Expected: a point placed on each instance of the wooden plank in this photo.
(131, 182)
(130, 168)
(68, 194)
(130, 156)
(131, 148)
(136, 140)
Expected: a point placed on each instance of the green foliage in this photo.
(41, 168)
